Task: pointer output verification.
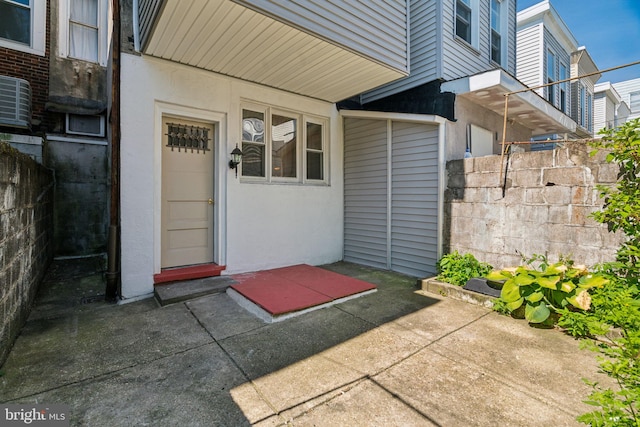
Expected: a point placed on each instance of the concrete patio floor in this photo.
(399, 356)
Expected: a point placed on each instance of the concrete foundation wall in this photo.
(545, 208)
(26, 247)
(81, 196)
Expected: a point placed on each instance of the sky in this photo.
(609, 29)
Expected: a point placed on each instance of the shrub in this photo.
(457, 269)
(617, 305)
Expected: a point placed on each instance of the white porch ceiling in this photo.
(527, 108)
(230, 39)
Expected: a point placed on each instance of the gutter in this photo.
(113, 286)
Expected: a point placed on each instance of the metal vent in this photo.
(15, 102)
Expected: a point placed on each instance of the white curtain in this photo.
(83, 30)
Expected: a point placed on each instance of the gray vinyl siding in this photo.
(423, 46)
(436, 52)
(414, 195)
(459, 59)
(148, 11)
(375, 28)
(529, 55)
(365, 192)
(391, 195)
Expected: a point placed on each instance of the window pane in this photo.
(253, 148)
(252, 126)
(83, 42)
(314, 136)
(283, 146)
(634, 100)
(85, 11)
(495, 47)
(495, 15)
(252, 159)
(551, 66)
(314, 165)
(463, 20)
(15, 22)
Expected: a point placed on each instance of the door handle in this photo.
(210, 201)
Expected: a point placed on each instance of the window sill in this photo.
(264, 181)
(466, 44)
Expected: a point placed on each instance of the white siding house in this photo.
(547, 52)
(206, 76)
(629, 91)
(609, 110)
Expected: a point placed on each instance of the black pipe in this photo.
(113, 287)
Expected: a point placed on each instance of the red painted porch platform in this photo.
(298, 288)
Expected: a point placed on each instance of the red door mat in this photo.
(282, 292)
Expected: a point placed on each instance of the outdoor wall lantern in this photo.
(236, 158)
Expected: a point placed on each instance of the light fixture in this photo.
(236, 158)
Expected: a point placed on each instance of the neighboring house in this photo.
(629, 91)
(398, 137)
(53, 99)
(547, 52)
(202, 78)
(609, 110)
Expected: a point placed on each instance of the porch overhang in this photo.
(228, 38)
(529, 109)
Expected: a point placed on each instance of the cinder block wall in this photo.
(546, 207)
(26, 234)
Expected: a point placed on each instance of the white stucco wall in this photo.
(258, 225)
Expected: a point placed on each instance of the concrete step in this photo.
(174, 292)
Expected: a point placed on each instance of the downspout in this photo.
(113, 290)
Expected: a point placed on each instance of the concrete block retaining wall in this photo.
(545, 208)
(26, 234)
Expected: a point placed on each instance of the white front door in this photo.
(187, 192)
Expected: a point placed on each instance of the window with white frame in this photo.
(315, 151)
(82, 124)
(582, 105)
(563, 88)
(463, 20)
(281, 146)
(23, 25)
(496, 30)
(84, 30)
(551, 77)
(589, 124)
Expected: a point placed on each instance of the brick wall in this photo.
(26, 230)
(545, 208)
(34, 69)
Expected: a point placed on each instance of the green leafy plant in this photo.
(621, 211)
(613, 323)
(457, 269)
(545, 288)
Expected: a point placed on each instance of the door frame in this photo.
(219, 122)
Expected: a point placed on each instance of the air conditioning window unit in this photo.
(15, 102)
